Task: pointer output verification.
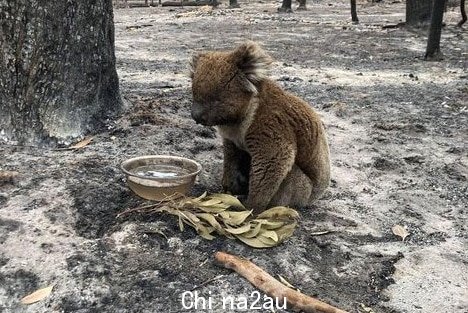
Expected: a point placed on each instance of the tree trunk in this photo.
(57, 69)
(418, 12)
(463, 13)
(433, 43)
(354, 16)
(285, 6)
(233, 4)
(302, 5)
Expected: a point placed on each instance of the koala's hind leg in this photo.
(236, 169)
(295, 190)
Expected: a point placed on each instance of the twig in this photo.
(189, 3)
(137, 209)
(272, 287)
(203, 263)
(144, 208)
(207, 282)
(320, 233)
(398, 25)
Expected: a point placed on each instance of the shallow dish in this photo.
(159, 177)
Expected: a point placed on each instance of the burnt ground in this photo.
(397, 128)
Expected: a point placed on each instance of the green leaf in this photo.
(279, 212)
(212, 221)
(269, 234)
(286, 231)
(254, 242)
(192, 217)
(267, 240)
(205, 231)
(253, 232)
(271, 225)
(198, 199)
(218, 208)
(237, 217)
(228, 199)
(210, 202)
(181, 224)
(238, 230)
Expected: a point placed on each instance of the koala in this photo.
(275, 147)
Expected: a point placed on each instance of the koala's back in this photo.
(287, 119)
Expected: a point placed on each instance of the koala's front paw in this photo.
(255, 204)
(236, 184)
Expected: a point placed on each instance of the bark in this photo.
(354, 16)
(433, 43)
(233, 4)
(302, 5)
(57, 69)
(418, 12)
(286, 6)
(463, 13)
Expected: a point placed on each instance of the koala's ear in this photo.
(253, 62)
(193, 64)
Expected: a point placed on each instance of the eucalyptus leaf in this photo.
(239, 230)
(198, 199)
(271, 225)
(279, 212)
(237, 217)
(400, 231)
(286, 231)
(253, 232)
(217, 208)
(181, 224)
(37, 295)
(210, 202)
(267, 240)
(228, 199)
(255, 242)
(269, 234)
(212, 221)
(219, 213)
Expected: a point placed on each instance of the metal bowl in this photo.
(160, 177)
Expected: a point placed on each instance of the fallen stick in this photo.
(269, 285)
(189, 3)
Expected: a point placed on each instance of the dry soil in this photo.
(397, 127)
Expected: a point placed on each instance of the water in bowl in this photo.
(151, 184)
(160, 171)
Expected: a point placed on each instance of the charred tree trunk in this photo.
(233, 4)
(433, 43)
(418, 12)
(463, 13)
(354, 16)
(302, 5)
(286, 6)
(57, 69)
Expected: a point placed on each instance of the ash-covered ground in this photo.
(397, 127)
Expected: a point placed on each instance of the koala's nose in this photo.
(197, 115)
